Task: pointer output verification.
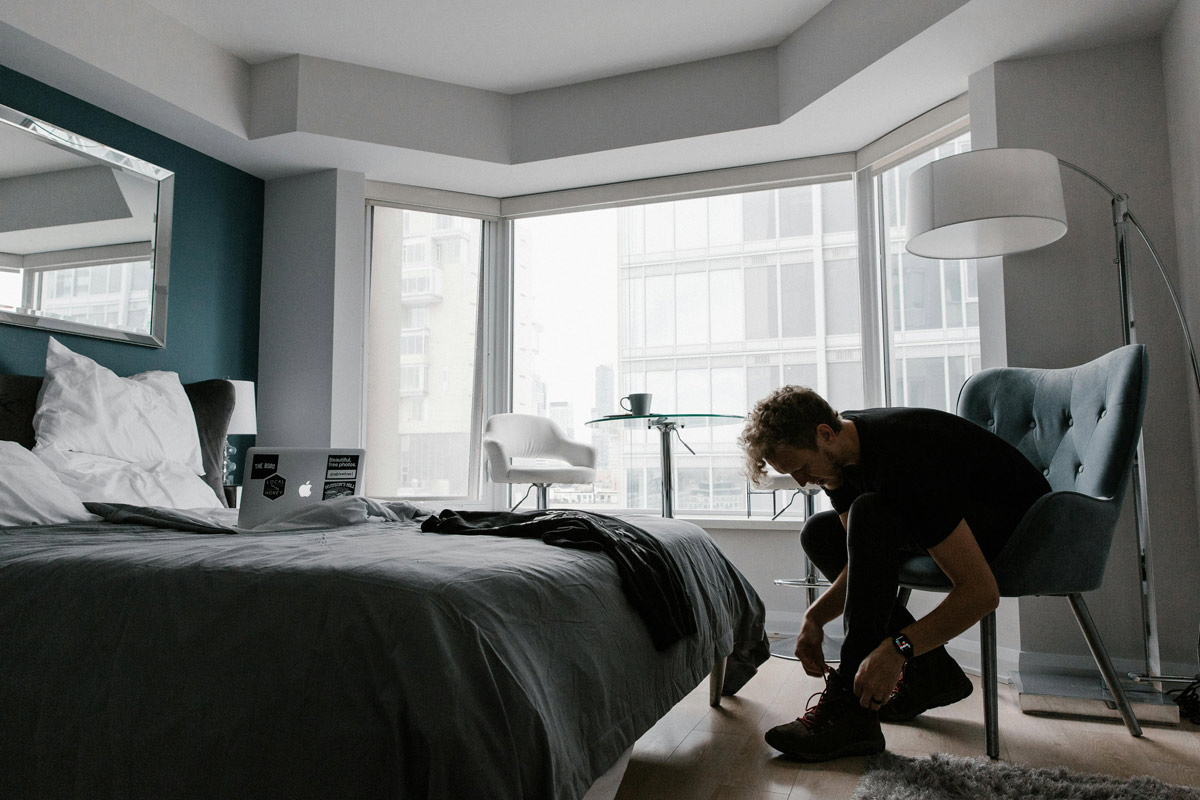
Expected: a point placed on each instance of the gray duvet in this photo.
(363, 661)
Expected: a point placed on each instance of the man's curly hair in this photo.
(787, 416)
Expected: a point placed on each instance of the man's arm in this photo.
(974, 595)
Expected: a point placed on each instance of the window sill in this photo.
(746, 523)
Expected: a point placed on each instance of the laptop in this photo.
(278, 481)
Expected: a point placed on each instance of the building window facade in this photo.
(423, 325)
(116, 295)
(708, 304)
(932, 305)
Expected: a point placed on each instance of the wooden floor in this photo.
(696, 752)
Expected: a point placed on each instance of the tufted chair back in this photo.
(1078, 425)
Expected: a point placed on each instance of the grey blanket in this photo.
(362, 661)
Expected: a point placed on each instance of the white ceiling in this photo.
(833, 77)
(511, 46)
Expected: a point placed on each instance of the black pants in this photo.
(874, 550)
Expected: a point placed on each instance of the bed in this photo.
(372, 660)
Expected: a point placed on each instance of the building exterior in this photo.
(421, 353)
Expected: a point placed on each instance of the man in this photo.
(902, 481)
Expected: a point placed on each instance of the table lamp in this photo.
(243, 421)
(1003, 201)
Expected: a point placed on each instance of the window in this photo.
(423, 326)
(933, 306)
(10, 288)
(113, 295)
(708, 304)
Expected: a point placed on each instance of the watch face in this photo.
(904, 646)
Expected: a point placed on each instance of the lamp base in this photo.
(1072, 694)
(229, 466)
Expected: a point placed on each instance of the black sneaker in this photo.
(928, 681)
(835, 727)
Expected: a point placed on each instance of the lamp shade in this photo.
(245, 416)
(985, 203)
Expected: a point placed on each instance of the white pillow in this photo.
(108, 480)
(30, 494)
(143, 419)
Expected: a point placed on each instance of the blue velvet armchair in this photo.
(1081, 427)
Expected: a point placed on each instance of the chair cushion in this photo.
(550, 474)
(922, 572)
(773, 481)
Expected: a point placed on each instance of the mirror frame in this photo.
(160, 253)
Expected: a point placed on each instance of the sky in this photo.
(574, 267)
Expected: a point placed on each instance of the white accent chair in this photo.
(509, 436)
(772, 483)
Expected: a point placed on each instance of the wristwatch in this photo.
(904, 646)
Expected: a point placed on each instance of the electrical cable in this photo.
(522, 500)
(1188, 700)
(791, 500)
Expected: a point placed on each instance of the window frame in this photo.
(493, 391)
(873, 260)
(481, 494)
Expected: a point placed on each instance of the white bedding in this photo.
(98, 478)
(31, 494)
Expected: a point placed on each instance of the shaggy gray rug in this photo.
(939, 777)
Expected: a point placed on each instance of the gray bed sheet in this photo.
(365, 661)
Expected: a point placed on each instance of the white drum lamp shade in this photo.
(244, 419)
(985, 203)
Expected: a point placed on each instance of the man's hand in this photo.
(808, 649)
(877, 675)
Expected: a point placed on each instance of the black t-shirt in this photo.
(935, 469)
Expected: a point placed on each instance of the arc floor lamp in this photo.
(1004, 201)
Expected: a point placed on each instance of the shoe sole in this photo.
(947, 699)
(855, 749)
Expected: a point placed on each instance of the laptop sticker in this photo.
(264, 465)
(337, 489)
(274, 487)
(341, 468)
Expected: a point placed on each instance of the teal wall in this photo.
(216, 252)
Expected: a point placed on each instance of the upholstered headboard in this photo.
(212, 403)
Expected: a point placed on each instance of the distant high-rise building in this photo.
(425, 267)
(564, 415)
(606, 391)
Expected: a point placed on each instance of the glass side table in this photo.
(666, 425)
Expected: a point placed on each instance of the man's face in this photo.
(821, 466)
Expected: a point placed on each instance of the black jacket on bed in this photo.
(649, 578)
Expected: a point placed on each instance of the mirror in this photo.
(85, 234)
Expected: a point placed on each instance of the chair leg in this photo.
(903, 595)
(542, 493)
(991, 701)
(1100, 654)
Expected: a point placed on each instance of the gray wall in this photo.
(309, 344)
(1181, 74)
(1104, 110)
